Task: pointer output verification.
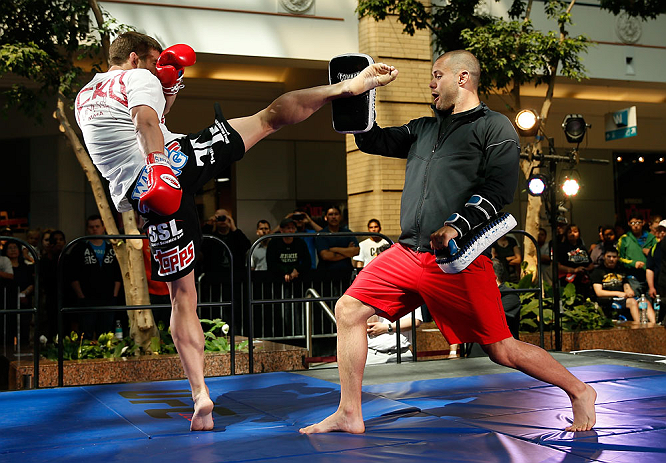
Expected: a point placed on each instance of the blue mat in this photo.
(501, 417)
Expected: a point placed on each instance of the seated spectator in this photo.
(655, 273)
(371, 247)
(95, 279)
(258, 259)
(288, 258)
(613, 291)
(633, 248)
(335, 253)
(507, 251)
(653, 223)
(606, 241)
(574, 262)
(382, 343)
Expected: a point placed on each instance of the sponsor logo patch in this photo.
(171, 181)
(174, 259)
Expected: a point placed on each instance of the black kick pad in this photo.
(355, 114)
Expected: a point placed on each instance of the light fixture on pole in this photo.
(527, 123)
(536, 183)
(574, 127)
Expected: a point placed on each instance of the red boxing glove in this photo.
(163, 193)
(170, 66)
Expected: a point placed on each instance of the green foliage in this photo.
(511, 52)
(43, 42)
(643, 9)
(215, 336)
(577, 314)
(108, 346)
(77, 348)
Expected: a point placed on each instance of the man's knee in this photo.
(500, 352)
(351, 310)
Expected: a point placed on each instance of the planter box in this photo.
(268, 356)
(628, 337)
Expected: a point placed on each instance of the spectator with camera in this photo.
(305, 224)
(216, 263)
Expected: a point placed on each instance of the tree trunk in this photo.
(130, 258)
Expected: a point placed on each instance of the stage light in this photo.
(641, 159)
(618, 159)
(574, 127)
(570, 186)
(536, 184)
(527, 123)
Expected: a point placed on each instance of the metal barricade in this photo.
(307, 294)
(62, 310)
(18, 311)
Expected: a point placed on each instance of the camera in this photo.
(222, 218)
(298, 216)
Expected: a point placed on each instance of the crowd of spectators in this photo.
(616, 270)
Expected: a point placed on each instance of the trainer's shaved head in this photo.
(462, 60)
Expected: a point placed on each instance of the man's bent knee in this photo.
(351, 310)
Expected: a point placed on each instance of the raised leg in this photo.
(189, 341)
(539, 364)
(352, 316)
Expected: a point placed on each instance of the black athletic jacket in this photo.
(478, 153)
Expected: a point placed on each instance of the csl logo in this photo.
(171, 181)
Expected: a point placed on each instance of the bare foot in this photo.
(338, 421)
(583, 410)
(202, 420)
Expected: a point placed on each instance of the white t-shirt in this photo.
(369, 250)
(386, 342)
(103, 112)
(6, 265)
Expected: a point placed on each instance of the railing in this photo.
(62, 310)
(18, 311)
(251, 301)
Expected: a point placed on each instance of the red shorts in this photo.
(466, 306)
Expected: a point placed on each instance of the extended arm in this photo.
(296, 106)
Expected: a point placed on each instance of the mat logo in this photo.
(170, 398)
(175, 259)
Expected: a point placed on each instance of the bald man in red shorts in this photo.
(462, 164)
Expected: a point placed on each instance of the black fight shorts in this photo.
(175, 240)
